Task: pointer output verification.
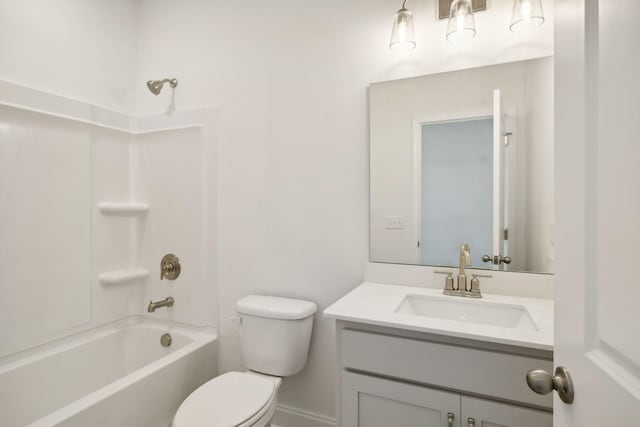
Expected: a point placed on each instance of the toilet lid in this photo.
(226, 401)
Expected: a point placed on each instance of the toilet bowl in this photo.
(239, 399)
(274, 336)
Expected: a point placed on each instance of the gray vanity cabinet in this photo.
(485, 413)
(369, 401)
(398, 378)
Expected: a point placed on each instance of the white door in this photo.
(597, 119)
(498, 177)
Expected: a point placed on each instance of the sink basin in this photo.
(469, 311)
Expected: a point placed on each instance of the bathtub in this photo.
(115, 375)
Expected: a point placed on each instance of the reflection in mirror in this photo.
(464, 157)
(456, 159)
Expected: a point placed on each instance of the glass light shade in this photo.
(526, 14)
(402, 35)
(461, 26)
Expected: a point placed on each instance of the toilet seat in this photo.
(234, 399)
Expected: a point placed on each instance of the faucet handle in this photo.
(475, 285)
(448, 281)
(169, 267)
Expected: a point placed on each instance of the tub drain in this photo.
(165, 340)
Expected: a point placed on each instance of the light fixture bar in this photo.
(444, 7)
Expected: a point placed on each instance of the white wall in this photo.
(291, 83)
(80, 49)
(539, 231)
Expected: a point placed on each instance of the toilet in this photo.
(274, 337)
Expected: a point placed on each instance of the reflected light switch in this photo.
(394, 222)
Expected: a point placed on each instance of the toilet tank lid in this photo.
(275, 307)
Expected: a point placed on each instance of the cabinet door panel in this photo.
(375, 402)
(486, 413)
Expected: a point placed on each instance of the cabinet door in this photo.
(485, 413)
(375, 402)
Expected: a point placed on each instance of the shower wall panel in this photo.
(45, 227)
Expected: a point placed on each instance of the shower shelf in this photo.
(122, 276)
(123, 209)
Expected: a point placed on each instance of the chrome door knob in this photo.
(543, 382)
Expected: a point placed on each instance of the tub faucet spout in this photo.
(153, 306)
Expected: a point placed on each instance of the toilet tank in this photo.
(275, 333)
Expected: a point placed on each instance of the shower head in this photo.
(155, 86)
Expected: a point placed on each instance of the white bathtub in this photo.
(115, 375)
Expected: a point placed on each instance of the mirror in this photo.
(464, 157)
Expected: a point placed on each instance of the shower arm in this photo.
(172, 82)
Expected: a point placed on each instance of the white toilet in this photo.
(274, 335)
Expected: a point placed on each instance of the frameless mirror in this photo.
(464, 157)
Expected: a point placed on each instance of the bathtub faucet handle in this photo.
(169, 267)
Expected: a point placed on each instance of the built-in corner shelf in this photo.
(123, 209)
(122, 276)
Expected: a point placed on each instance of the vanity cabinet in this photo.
(369, 401)
(477, 412)
(397, 378)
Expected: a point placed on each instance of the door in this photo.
(485, 413)
(498, 177)
(597, 332)
(455, 159)
(375, 402)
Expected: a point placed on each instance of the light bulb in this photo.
(402, 36)
(461, 25)
(526, 14)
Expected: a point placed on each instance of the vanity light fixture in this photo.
(526, 13)
(461, 26)
(402, 36)
(461, 23)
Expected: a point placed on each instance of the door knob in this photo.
(497, 259)
(543, 382)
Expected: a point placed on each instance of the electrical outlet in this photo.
(394, 223)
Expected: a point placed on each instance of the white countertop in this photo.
(376, 303)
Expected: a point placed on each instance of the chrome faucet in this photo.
(153, 306)
(464, 259)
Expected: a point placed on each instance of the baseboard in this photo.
(287, 416)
